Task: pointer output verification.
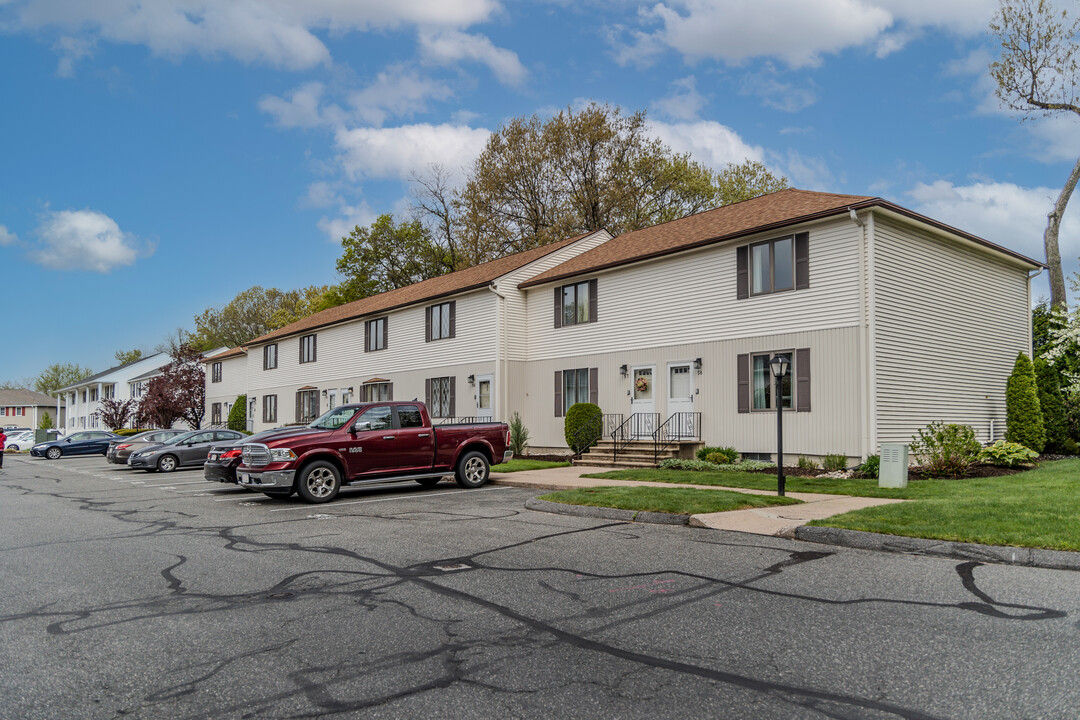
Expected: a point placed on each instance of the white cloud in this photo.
(451, 46)
(1003, 213)
(275, 32)
(7, 237)
(301, 109)
(397, 152)
(85, 240)
(807, 173)
(351, 216)
(71, 49)
(684, 102)
(775, 93)
(707, 141)
(798, 33)
(396, 91)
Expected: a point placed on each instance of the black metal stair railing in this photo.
(590, 433)
(680, 426)
(638, 426)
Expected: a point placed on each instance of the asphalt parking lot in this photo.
(142, 595)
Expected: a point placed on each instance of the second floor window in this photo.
(375, 335)
(575, 304)
(270, 357)
(307, 349)
(772, 266)
(441, 321)
(215, 372)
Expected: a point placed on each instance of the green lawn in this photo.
(517, 465)
(1039, 508)
(690, 501)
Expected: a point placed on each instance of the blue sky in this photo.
(160, 156)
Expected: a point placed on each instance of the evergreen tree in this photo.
(1052, 406)
(1023, 416)
(238, 415)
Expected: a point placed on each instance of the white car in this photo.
(23, 440)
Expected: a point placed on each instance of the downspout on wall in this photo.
(500, 322)
(867, 368)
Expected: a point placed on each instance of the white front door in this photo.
(643, 400)
(484, 396)
(680, 399)
(331, 399)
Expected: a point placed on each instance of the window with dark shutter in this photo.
(594, 389)
(802, 261)
(592, 300)
(742, 275)
(576, 304)
(558, 307)
(742, 364)
(802, 380)
(442, 321)
(558, 394)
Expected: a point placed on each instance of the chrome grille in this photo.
(256, 455)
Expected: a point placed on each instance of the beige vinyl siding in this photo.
(950, 320)
(341, 353)
(832, 425)
(233, 383)
(516, 313)
(691, 297)
(408, 384)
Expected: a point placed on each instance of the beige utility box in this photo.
(892, 473)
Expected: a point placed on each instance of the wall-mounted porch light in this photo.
(697, 364)
(623, 370)
(472, 379)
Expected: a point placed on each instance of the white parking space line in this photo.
(174, 484)
(404, 497)
(245, 496)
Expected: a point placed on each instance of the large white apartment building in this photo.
(891, 320)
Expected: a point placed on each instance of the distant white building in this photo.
(84, 398)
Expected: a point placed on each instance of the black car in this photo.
(222, 461)
(90, 442)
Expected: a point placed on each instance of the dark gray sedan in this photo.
(190, 448)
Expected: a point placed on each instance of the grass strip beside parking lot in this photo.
(687, 501)
(517, 465)
(1038, 508)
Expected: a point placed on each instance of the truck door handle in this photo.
(424, 435)
(388, 437)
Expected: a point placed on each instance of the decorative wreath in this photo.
(642, 384)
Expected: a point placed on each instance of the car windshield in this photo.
(333, 419)
(178, 439)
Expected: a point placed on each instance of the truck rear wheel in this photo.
(319, 482)
(472, 470)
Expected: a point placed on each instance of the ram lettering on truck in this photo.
(372, 443)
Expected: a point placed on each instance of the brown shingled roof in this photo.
(767, 212)
(456, 282)
(235, 352)
(701, 229)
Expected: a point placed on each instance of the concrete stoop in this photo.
(635, 455)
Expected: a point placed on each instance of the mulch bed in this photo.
(978, 470)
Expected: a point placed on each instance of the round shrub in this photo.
(238, 415)
(1023, 417)
(722, 456)
(584, 425)
(946, 450)
(869, 468)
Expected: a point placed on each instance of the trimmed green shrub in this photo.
(834, 462)
(237, 419)
(702, 453)
(678, 464)
(721, 455)
(584, 425)
(1008, 454)
(806, 463)
(946, 450)
(1070, 447)
(125, 432)
(870, 467)
(519, 435)
(1052, 405)
(1024, 421)
(46, 422)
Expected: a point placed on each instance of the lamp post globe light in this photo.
(779, 366)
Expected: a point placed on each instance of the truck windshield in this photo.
(333, 419)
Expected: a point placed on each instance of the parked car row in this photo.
(22, 438)
(357, 444)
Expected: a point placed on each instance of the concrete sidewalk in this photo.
(779, 520)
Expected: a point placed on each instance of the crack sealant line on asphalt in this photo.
(404, 497)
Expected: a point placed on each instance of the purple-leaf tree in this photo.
(115, 413)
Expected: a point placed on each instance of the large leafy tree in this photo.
(253, 312)
(1037, 75)
(60, 375)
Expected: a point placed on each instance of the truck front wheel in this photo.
(319, 482)
(472, 470)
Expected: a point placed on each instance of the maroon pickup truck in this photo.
(371, 443)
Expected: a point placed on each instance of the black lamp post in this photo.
(779, 366)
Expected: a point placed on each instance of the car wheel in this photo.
(167, 463)
(472, 470)
(12, 447)
(53, 453)
(429, 482)
(319, 482)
